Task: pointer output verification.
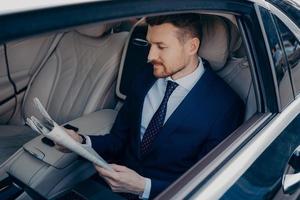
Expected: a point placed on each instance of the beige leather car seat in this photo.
(77, 79)
(221, 40)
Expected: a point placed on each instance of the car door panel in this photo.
(262, 177)
(262, 180)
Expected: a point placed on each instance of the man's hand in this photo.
(74, 135)
(123, 179)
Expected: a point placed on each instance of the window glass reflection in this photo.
(262, 180)
(291, 48)
(279, 60)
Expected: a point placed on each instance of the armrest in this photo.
(97, 123)
(49, 171)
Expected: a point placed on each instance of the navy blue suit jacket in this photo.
(209, 112)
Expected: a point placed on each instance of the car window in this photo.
(263, 179)
(291, 46)
(290, 8)
(279, 61)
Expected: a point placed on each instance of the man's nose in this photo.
(152, 55)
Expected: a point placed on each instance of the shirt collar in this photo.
(190, 80)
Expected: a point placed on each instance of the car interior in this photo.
(82, 75)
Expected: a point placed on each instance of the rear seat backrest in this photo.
(78, 78)
(221, 39)
(214, 44)
(237, 74)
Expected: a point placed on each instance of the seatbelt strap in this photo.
(51, 49)
(119, 105)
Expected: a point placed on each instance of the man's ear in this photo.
(194, 45)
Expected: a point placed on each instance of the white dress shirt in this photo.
(156, 94)
(154, 98)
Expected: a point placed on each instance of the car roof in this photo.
(15, 6)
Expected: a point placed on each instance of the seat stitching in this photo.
(86, 76)
(101, 72)
(56, 79)
(110, 62)
(68, 90)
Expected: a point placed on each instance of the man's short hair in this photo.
(189, 23)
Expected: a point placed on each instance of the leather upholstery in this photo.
(226, 41)
(93, 30)
(237, 74)
(215, 43)
(22, 63)
(96, 123)
(12, 137)
(77, 77)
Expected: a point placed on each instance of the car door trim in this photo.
(232, 170)
(200, 173)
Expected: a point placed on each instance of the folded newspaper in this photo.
(50, 129)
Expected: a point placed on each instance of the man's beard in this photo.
(155, 62)
(164, 75)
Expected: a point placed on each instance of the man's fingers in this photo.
(62, 148)
(112, 182)
(108, 181)
(114, 185)
(122, 179)
(106, 173)
(73, 134)
(69, 131)
(119, 168)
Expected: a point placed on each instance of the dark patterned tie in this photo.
(157, 120)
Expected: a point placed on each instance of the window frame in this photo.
(284, 52)
(237, 166)
(280, 104)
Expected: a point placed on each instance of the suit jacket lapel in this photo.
(187, 106)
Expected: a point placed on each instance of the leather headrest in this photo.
(215, 43)
(94, 30)
(235, 39)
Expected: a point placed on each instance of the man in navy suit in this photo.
(176, 112)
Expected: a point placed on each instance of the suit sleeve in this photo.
(157, 186)
(223, 126)
(111, 144)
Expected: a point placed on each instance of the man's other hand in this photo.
(74, 135)
(123, 179)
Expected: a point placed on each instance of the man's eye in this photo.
(160, 47)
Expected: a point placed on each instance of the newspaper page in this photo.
(50, 129)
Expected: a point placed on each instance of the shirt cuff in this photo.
(88, 141)
(147, 190)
